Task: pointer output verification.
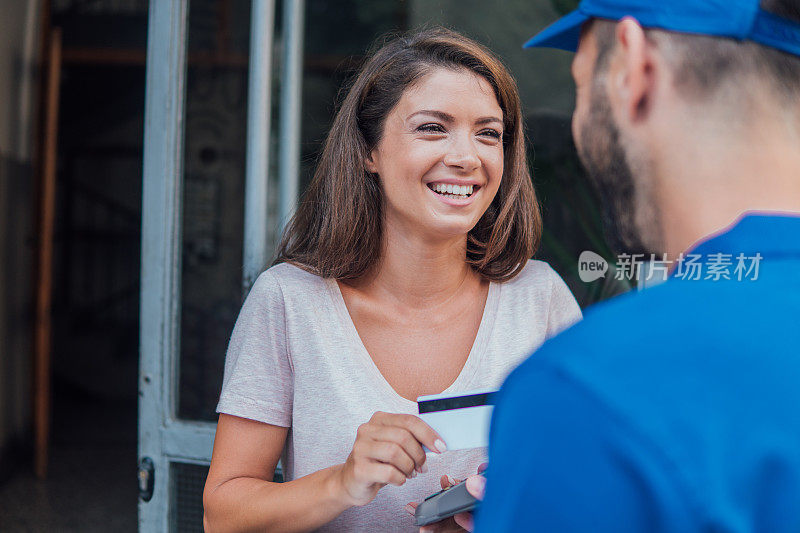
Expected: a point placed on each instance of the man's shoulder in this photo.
(667, 335)
(622, 322)
(680, 348)
(684, 374)
(676, 313)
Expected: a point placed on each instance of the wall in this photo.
(18, 44)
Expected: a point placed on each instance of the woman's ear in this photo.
(369, 163)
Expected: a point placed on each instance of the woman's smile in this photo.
(454, 193)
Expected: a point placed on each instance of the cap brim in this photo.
(563, 34)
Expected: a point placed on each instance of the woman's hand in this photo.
(387, 450)
(462, 521)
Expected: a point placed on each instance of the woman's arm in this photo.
(239, 493)
(240, 496)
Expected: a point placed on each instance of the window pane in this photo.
(213, 197)
(186, 497)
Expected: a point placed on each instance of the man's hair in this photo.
(702, 64)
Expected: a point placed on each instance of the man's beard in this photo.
(605, 160)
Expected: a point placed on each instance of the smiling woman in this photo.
(405, 272)
(413, 81)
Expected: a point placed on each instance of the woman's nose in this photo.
(462, 155)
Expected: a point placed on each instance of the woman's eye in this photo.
(492, 133)
(431, 128)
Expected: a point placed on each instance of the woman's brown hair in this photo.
(338, 227)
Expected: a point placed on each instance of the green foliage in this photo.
(563, 7)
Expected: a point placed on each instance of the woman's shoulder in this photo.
(538, 282)
(535, 275)
(290, 273)
(288, 279)
(539, 287)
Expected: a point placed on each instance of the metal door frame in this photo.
(163, 437)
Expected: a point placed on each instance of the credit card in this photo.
(462, 419)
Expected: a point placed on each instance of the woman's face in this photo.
(440, 159)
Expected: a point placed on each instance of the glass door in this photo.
(209, 222)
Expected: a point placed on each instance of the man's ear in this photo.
(631, 72)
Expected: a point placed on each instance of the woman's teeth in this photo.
(452, 191)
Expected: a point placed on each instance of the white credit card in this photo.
(462, 419)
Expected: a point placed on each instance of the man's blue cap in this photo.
(737, 19)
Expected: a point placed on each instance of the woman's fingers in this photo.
(445, 526)
(411, 508)
(404, 438)
(384, 474)
(421, 431)
(465, 520)
(476, 485)
(447, 481)
(387, 450)
(392, 453)
(461, 521)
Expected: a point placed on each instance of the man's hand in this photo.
(462, 521)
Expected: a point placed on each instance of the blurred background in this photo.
(78, 405)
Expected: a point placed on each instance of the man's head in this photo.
(644, 93)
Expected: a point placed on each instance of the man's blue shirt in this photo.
(676, 409)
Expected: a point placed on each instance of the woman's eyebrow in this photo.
(487, 120)
(441, 115)
(446, 117)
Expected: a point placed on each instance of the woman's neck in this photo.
(419, 272)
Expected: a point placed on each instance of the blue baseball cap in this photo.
(737, 19)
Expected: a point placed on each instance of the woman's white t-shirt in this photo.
(295, 360)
